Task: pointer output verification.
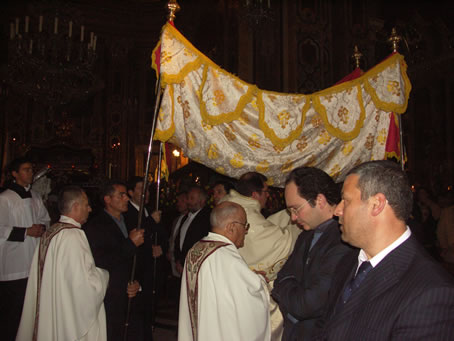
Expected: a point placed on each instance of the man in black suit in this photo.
(392, 289)
(113, 249)
(150, 252)
(196, 225)
(302, 285)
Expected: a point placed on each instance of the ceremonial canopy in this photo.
(233, 127)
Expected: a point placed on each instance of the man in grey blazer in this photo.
(392, 289)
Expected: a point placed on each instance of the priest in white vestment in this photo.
(270, 240)
(65, 290)
(221, 298)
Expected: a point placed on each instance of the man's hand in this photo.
(157, 251)
(136, 236)
(263, 273)
(36, 230)
(179, 267)
(156, 215)
(132, 289)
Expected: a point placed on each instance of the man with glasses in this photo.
(302, 285)
(221, 298)
(113, 249)
(270, 240)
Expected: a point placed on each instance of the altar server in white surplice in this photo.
(65, 291)
(221, 298)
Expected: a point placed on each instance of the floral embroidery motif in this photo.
(382, 136)
(185, 107)
(262, 167)
(324, 137)
(347, 148)
(335, 171)
(213, 152)
(287, 166)
(206, 126)
(302, 144)
(343, 114)
(393, 87)
(254, 142)
(283, 116)
(316, 121)
(229, 135)
(237, 161)
(219, 97)
(369, 142)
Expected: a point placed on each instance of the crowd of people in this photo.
(365, 262)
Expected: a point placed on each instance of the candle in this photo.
(70, 33)
(56, 25)
(40, 23)
(82, 29)
(94, 43)
(91, 38)
(26, 23)
(30, 49)
(11, 32)
(17, 25)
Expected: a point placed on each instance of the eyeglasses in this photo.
(245, 225)
(295, 211)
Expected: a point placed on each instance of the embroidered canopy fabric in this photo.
(234, 127)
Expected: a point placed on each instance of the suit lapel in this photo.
(379, 280)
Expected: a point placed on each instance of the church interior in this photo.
(77, 93)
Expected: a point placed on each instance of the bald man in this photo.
(65, 291)
(221, 298)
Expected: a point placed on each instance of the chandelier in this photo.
(256, 13)
(51, 56)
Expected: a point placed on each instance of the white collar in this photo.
(68, 220)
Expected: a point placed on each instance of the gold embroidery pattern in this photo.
(229, 135)
(220, 170)
(287, 166)
(185, 107)
(254, 142)
(263, 167)
(213, 152)
(335, 171)
(316, 121)
(347, 149)
(283, 116)
(302, 144)
(369, 142)
(324, 137)
(382, 137)
(343, 114)
(219, 97)
(237, 161)
(393, 87)
(206, 126)
(191, 140)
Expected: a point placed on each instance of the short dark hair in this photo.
(250, 182)
(132, 182)
(388, 178)
(67, 196)
(15, 165)
(108, 188)
(311, 182)
(226, 184)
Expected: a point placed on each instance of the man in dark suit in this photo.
(113, 249)
(302, 285)
(392, 290)
(150, 252)
(195, 226)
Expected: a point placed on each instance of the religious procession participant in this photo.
(221, 298)
(23, 219)
(65, 291)
(270, 240)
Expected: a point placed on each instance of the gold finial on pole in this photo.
(394, 39)
(173, 8)
(357, 56)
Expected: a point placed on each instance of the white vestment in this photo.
(71, 292)
(15, 256)
(228, 300)
(267, 246)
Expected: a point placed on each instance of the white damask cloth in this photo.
(234, 127)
